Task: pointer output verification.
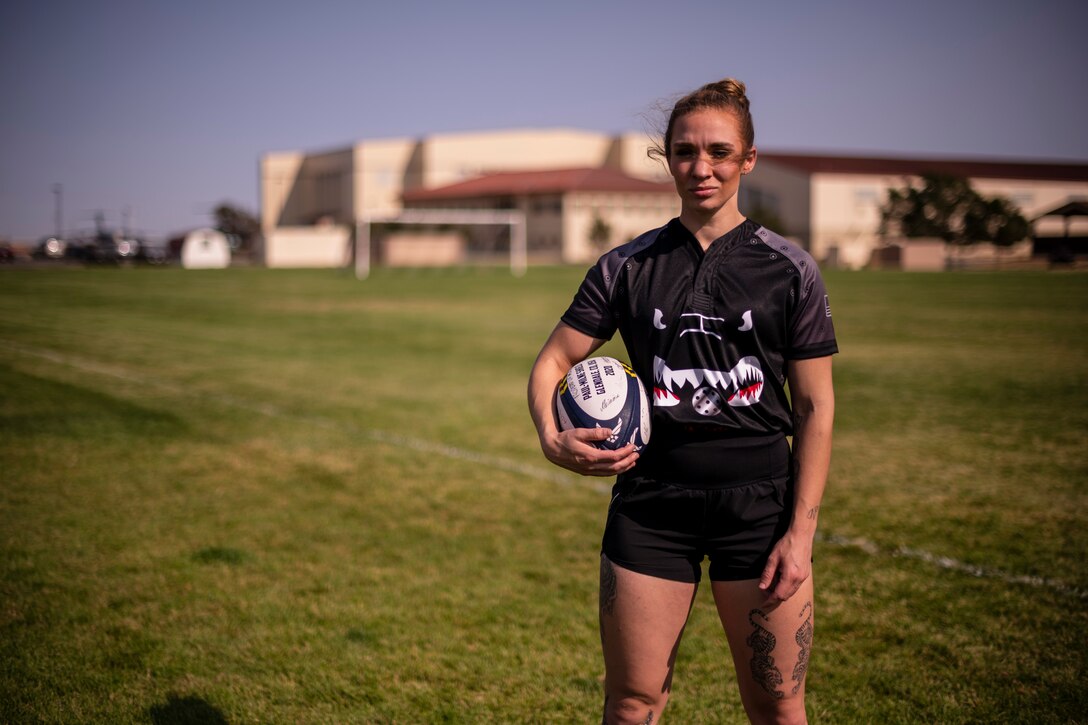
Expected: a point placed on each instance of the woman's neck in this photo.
(706, 230)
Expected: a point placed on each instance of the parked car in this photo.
(150, 253)
(7, 254)
(50, 248)
(104, 247)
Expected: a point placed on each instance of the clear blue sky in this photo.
(164, 108)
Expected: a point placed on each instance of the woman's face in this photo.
(707, 157)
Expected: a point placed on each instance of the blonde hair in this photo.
(728, 94)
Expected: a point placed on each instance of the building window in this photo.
(546, 205)
(866, 196)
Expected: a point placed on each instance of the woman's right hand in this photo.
(573, 450)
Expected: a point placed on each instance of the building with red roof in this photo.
(581, 192)
(832, 202)
(571, 215)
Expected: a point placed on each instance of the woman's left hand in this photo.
(788, 566)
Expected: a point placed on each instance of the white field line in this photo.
(511, 466)
(396, 440)
(944, 562)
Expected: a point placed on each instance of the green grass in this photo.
(258, 496)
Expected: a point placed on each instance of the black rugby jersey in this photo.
(710, 333)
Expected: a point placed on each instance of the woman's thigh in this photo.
(642, 619)
(770, 645)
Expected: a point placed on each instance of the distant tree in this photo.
(767, 217)
(600, 233)
(232, 220)
(948, 208)
(996, 220)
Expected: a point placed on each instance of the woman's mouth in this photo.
(703, 192)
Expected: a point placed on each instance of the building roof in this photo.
(549, 181)
(967, 168)
(1076, 207)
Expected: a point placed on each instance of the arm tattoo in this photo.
(762, 643)
(608, 587)
(804, 641)
(812, 512)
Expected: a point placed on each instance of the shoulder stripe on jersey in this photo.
(613, 261)
(802, 260)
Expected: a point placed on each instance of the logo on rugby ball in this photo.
(603, 392)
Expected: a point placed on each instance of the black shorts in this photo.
(731, 504)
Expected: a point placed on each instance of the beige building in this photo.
(580, 190)
(571, 215)
(832, 203)
(309, 195)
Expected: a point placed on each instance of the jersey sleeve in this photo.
(812, 333)
(590, 311)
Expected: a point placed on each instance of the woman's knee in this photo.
(632, 709)
(785, 709)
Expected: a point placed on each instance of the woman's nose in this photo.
(701, 167)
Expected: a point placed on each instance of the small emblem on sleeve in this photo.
(827, 306)
(658, 321)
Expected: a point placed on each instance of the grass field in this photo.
(257, 496)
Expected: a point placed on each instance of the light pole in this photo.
(58, 213)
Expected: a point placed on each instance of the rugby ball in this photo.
(603, 392)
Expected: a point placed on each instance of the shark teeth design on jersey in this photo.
(742, 386)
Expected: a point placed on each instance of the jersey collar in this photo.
(733, 238)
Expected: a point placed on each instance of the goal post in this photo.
(514, 219)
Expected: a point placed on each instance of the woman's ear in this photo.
(749, 161)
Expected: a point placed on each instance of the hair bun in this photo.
(730, 88)
(729, 95)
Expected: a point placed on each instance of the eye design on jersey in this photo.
(740, 387)
(702, 327)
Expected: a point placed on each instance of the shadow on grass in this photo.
(360, 636)
(186, 711)
(48, 407)
(220, 555)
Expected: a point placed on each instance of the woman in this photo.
(718, 315)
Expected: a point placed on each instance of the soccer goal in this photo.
(515, 220)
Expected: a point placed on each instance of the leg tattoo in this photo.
(762, 643)
(608, 586)
(804, 641)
